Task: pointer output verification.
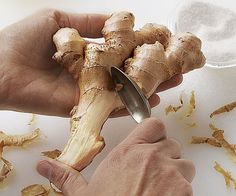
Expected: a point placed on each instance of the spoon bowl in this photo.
(131, 95)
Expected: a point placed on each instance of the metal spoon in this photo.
(131, 95)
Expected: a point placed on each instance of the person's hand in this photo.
(30, 80)
(146, 163)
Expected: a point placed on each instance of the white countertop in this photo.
(213, 87)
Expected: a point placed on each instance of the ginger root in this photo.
(172, 108)
(32, 120)
(208, 140)
(12, 140)
(219, 136)
(218, 140)
(53, 154)
(227, 176)
(149, 56)
(5, 168)
(35, 190)
(223, 109)
(39, 190)
(191, 105)
(205, 140)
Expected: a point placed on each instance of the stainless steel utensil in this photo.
(131, 95)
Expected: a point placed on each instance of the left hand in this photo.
(30, 81)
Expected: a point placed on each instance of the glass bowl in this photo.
(173, 26)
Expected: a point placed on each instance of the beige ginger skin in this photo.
(12, 140)
(149, 56)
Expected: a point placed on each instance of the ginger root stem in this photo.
(149, 56)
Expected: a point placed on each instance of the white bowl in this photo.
(231, 4)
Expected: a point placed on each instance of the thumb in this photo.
(65, 178)
(151, 130)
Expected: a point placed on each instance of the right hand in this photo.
(145, 163)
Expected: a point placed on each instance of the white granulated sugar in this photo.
(215, 26)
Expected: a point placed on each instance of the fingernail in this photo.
(44, 168)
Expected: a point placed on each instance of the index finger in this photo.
(88, 25)
(150, 130)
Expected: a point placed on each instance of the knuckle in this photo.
(152, 156)
(187, 188)
(174, 143)
(190, 164)
(190, 167)
(187, 164)
(118, 154)
(60, 178)
(157, 124)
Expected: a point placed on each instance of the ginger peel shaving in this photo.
(219, 136)
(172, 108)
(218, 140)
(39, 190)
(13, 140)
(227, 176)
(53, 154)
(223, 109)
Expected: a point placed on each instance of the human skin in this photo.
(30, 81)
(146, 163)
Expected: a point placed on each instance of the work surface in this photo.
(213, 88)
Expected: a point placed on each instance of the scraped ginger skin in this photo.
(158, 57)
(12, 140)
(39, 190)
(5, 168)
(223, 109)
